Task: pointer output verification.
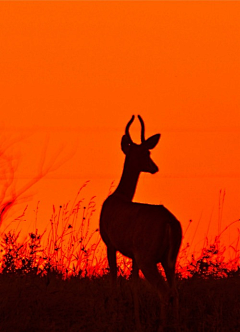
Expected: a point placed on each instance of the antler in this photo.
(143, 128)
(127, 129)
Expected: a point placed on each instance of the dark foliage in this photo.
(34, 303)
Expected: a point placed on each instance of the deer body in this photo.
(148, 234)
(128, 228)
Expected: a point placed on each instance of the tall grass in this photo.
(57, 280)
(69, 247)
(66, 247)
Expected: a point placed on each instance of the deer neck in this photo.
(128, 182)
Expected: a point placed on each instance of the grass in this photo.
(59, 281)
(34, 303)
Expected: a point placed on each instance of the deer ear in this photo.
(152, 141)
(125, 144)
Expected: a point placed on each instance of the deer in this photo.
(147, 234)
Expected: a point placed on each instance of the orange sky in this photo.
(72, 74)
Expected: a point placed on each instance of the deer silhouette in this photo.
(148, 234)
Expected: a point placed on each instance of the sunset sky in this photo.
(72, 75)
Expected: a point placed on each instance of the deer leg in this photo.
(135, 280)
(152, 275)
(112, 261)
(113, 305)
(174, 298)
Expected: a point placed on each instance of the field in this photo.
(33, 303)
(59, 281)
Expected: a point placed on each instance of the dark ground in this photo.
(31, 303)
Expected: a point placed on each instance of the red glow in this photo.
(72, 74)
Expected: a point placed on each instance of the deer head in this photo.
(138, 155)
